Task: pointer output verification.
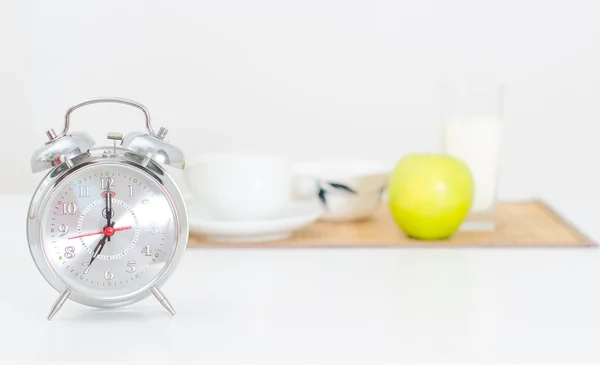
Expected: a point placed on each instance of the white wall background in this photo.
(327, 78)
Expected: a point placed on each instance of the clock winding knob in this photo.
(162, 133)
(51, 134)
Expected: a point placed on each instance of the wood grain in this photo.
(518, 224)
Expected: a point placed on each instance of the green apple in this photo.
(430, 195)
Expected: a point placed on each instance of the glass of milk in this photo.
(472, 126)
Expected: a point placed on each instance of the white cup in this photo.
(240, 187)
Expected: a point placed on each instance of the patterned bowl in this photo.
(349, 190)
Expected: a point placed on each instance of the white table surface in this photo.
(322, 306)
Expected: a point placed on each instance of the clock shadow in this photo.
(119, 315)
(88, 333)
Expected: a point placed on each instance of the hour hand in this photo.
(108, 206)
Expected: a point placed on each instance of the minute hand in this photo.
(97, 250)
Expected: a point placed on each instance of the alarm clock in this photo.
(107, 226)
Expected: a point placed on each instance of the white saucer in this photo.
(294, 217)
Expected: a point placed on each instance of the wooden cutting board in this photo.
(518, 224)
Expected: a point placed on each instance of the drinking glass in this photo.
(472, 116)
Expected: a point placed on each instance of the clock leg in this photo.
(59, 303)
(163, 300)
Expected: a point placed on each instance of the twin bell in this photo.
(61, 148)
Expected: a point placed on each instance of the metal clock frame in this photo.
(98, 157)
(67, 153)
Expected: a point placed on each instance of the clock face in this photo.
(109, 230)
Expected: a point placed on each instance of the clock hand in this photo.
(98, 249)
(108, 205)
(106, 231)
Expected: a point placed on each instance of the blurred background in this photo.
(312, 79)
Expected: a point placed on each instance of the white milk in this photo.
(476, 141)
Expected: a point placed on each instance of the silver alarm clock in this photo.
(107, 226)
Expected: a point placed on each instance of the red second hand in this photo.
(101, 232)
